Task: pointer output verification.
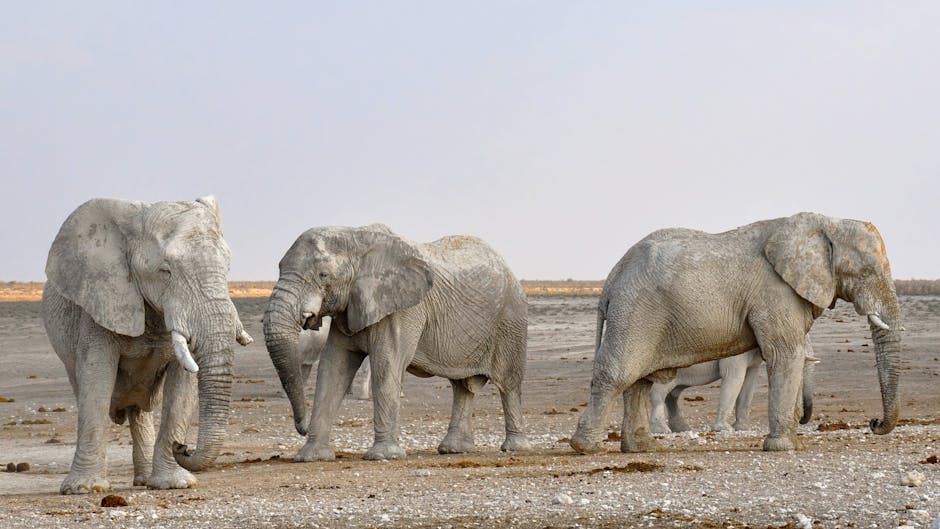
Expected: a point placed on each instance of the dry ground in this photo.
(845, 477)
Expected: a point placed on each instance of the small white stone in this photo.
(422, 472)
(919, 515)
(562, 499)
(384, 518)
(805, 522)
(913, 479)
(584, 501)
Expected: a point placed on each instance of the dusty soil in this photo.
(846, 477)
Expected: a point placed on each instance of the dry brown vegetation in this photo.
(32, 290)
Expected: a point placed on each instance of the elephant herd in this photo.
(136, 301)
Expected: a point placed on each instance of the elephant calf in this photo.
(137, 301)
(738, 375)
(449, 308)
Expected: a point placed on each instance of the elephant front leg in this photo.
(635, 434)
(142, 436)
(179, 402)
(784, 374)
(334, 374)
(732, 380)
(742, 406)
(459, 438)
(677, 422)
(94, 383)
(387, 372)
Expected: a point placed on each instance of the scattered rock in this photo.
(113, 500)
(11, 467)
(697, 398)
(22, 467)
(803, 521)
(584, 502)
(42, 409)
(931, 460)
(422, 473)
(913, 479)
(53, 441)
(35, 421)
(613, 436)
(562, 499)
(552, 411)
(4, 399)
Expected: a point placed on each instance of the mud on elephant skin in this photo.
(739, 376)
(449, 308)
(136, 303)
(680, 297)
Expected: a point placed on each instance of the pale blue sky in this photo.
(560, 132)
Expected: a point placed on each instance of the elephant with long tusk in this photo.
(137, 302)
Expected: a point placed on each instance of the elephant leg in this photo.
(516, 439)
(677, 422)
(394, 351)
(337, 368)
(784, 375)
(733, 372)
(459, 438)
(511, 346)
(742, 407)
(142, 437)
(589, 435)
(658, 394)
(361, 389)
(635, 434)
(180, 397)
(96, 371)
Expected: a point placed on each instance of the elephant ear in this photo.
(89, 264)
(392, 276)
(801, 253)
(210, 202)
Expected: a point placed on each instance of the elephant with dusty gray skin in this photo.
(137, 301)
(449, 308)
(681, 297)
(739, 376)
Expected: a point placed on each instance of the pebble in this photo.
(584, 501)
(805, 522)
(422, 472)
(22, 467)
(562, 499)
(913, 479)
(11, 467)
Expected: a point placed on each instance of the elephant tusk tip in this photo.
(244, 338)
(878, 322)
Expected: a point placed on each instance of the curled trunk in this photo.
(214, 356)
(887, 355)
(281, 337)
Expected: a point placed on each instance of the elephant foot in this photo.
(140, 480)
(177, 478)
(776, 444)
(582, 445)
(384, 450)
(455, 443)
(659, 427)
(638, 444)
(311, 452)
(84, 484)
(678, 424)
(741, 426)
(516, 442)
(721, 427)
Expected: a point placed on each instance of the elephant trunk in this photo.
(281, 337)
(213, 353)
(887, 339)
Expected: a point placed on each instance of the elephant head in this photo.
(357, 276)
(158, 268)
(823, 259)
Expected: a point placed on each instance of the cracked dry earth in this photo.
(845, 477)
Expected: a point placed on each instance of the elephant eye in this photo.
(164, 270)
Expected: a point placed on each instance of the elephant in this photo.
(681, 297)
(739, 376)
(450, 308)
(136, 301)
(311, 344)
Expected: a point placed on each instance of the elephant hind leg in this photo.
(142, 436)
(459, 438)
(635, 434)
(510, 366)
(677, 422)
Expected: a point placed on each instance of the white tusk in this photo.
(183, 356)
(306, 315)
(244, 338)
(811, 358)
(877, 322)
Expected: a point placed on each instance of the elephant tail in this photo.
(601, 318)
